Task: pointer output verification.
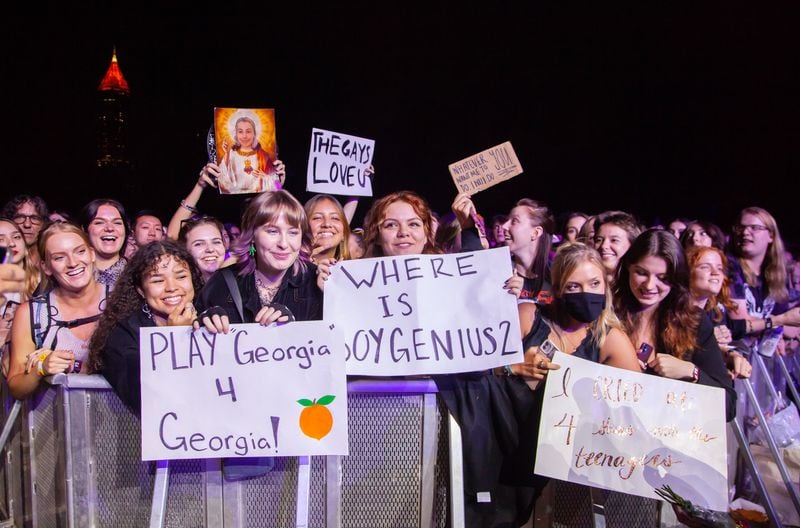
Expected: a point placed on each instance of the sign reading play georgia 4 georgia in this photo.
(336, 164)
(631, 432)
(425, 314)
(256, 391)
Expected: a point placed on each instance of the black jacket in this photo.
(121, 360)
(298, 292)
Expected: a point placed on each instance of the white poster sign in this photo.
(425, 314)
(256, 391)
(633, 433)
(336, 164)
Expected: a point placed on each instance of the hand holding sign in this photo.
(339, 164)
(487, 168)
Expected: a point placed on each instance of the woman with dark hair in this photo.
(529, 233)
(614, 232)
(156, 288)
(651, 297)
(51, 332)
(571, 225)
(271, 280)
(105, 221)
(700, 233)
(202, 237)
(329, 228)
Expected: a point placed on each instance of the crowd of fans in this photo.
(686, 301)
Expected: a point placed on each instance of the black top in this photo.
(499, 419)
(121, 360)
(708, 358)
(298, 292)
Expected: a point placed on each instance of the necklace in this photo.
(565, 335)
(246, 152)
(265, 293)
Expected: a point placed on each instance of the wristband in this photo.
(507, 370)
(768, 323)
(40, 363)
(695, 375)
(189, 208)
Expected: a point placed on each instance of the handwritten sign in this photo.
(336, 164)
(275, 391)
(425, 314)
(485, 169)
(631, 432)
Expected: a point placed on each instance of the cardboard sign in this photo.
(336, 164)
(274, 391)
(425, 314)
(485, 169)
(631, 432)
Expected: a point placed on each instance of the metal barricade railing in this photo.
(767, 434)
(84, 464)
(83, 468)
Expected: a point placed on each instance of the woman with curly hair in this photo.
(651, 298)
(156, 288)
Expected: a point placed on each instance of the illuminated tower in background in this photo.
(113, 102)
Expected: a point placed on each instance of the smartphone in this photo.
(644, 352)
(548, 348)
(5, 255)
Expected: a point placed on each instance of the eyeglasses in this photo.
(755, 228)
(34, 218)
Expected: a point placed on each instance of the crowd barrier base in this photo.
(73, 459)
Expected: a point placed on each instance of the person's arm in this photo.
(351, 204)
(28, 364)
(12, 279)
(464, 209)
(617, 351)
(188, 206)
(756, 326)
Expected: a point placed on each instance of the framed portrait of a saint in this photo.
(246, 150)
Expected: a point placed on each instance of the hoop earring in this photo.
(252, 249)
(147, 312)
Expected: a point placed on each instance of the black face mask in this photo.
(584, 306)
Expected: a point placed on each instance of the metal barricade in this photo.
(744, 445)
(85, 467)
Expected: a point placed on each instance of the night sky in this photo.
(655, 111)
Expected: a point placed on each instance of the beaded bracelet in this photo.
(695, 375)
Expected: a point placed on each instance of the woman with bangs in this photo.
(51, 332)
(157, 288)
(328, 227)
(271, 280)
(651, 298)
